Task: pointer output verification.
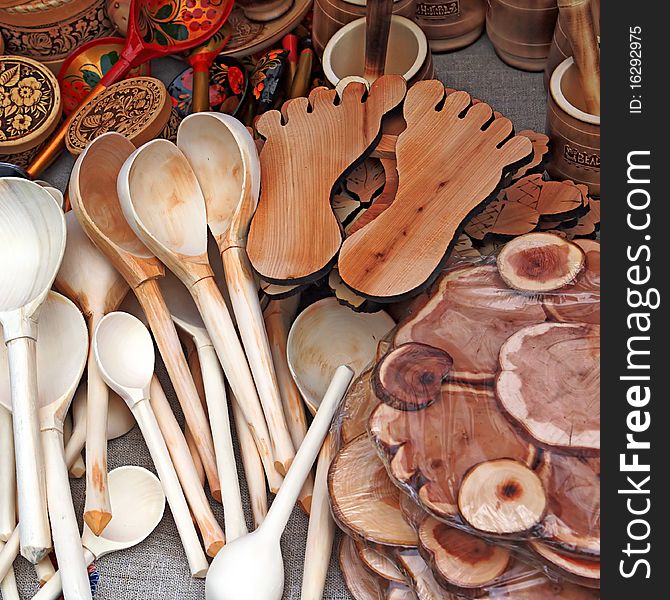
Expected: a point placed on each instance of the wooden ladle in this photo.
(234, 572)
(32, 242)
(186, 316)
(62, 349)
(138, 503)
(324, 335)
(124, 352)
(162, 202)
(96, 204)
(230, 184)
(89, 279)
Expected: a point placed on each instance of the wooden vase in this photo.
(50, 31)
(451, 24)
(574, 133)
(521, 31)
(331, 15)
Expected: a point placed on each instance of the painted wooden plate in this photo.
(250, 37)
(138, 108)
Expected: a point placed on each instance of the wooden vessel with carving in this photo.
(451, 24)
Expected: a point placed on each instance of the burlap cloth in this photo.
(157, 569)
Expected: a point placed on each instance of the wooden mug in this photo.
(451, 24)
(521, 31)
(573, 132)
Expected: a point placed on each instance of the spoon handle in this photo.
(30, 478)
(217, 406)
(321, 530)
(53, 588)
(67, 540)
(7, 476)
(167, 340)
(211, 533)
(249, 316)
(9, 553)
(166, 473)
(281, 508)
(8, 589)
(220, 327)
(44, 570)
(98, 510)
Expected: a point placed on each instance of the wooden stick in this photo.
(9, 552)
(7, 476)
(66, 536)
(377, 28)
(211, 533)
(577, 18)
(44, 570)
(197, 461)
(278, 317)
(301, 81)
(253, 467)
(8, 589)
(149, 295)
(97, 510)
(321, 530)
(206, 364)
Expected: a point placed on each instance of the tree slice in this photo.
(294, 235)
(381, 202)
(366, 180)
(579, 301)
(429, 451)
(411, 511)
(378, 564)
(572, 484)
(549, 384)
(461, 561)
(539, 587)
(578, 570)
(358, 405)
(364, 501)
(441, 184)
(502, 497)
(420, 576)
(410, 376)
(344, 206)
(469, 315)
(539, 262)
(362, 584)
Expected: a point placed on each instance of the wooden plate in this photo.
(250, 37)
(138, 108)
(30, 107)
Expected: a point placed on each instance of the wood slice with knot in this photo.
(402, 250)
(410, 376)
(578, 570)
(378, 564)
(549, 384)
(357, 407)
(429, 451)
(469, 315)
(294, 236)
(364, 501)
(579, 302)
(538, 587)
(572, 523)
(362, 584)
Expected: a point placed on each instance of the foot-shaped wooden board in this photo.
(294, 235)
(451, 159)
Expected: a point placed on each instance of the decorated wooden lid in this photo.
(30, 104)
(138, 108)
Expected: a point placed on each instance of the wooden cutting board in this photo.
(441, 183)
(295, 236)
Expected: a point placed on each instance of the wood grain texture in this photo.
(440, 186)
(377, 28)
(295, 236)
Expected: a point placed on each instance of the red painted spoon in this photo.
(156, 28)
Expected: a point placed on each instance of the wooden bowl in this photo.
(50, 31)
(85, 67)
(407, 55)
(573, 132)
(31, 103)
(331, 15)
(451, 25)
(139, 108)
(264, 10)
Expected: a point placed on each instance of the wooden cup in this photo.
(574, 133)
(451, 24)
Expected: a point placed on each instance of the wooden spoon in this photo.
(231, 187)
(124, 352)
(162, 202)
(377, 27)
(33, 228)
(151, 33)
(61, 356)
(138, 503)
(7, 476)
(96, 204)
(234, 572)
(201, 59)
(324, 335)
(186, 317)
(90, 280)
